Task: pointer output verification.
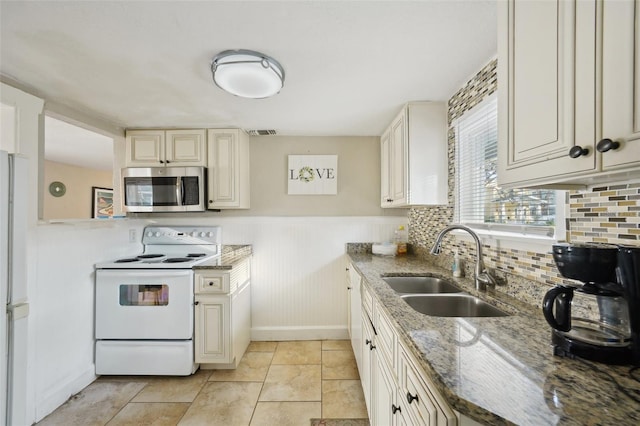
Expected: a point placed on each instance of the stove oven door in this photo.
(133, 304)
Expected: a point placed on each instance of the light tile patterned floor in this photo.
(276, 383)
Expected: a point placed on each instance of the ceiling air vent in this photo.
(261, 132)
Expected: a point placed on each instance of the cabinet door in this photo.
(384, 395)
(398, 172)
(212, 327)
(228, 173)
(385, 170)
(355, 315)
(185, 148)
(546, 107)
(621, 82)
(368, 362)
(145, 148)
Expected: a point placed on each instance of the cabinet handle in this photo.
(577, 151)
(607, 144)
(347, 269)
(161, 161)
(210, 282)
(367, 342)
(196, 303)
(395, 409)
(371, 347)
(389, 200)
(348, 288)
(411, 398)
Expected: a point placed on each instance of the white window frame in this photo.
(520, 237)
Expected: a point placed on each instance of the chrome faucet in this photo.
(482, 275)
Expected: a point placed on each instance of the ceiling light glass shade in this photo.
(247, 74)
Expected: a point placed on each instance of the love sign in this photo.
(313, 175)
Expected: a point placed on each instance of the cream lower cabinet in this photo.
(354, 312)
(160, 148)
(397, 392)
(228, 185)
(222, 316)
(569, 98)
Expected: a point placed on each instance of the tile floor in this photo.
(276, 383)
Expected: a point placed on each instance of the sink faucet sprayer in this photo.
(482, 275)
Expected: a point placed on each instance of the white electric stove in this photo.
(145, 303)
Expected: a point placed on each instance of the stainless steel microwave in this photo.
(163, 189)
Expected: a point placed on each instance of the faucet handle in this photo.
(485, 277)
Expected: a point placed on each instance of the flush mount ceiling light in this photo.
(247, 74)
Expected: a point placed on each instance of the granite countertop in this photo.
(502, 370)
(231, 255)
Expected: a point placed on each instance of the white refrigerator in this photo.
(13, 288)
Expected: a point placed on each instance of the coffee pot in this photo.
(600, 318)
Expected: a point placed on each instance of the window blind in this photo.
(480, 202)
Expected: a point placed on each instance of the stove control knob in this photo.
(210, 234)
(202, 234)
(157, 234)
(149, 234)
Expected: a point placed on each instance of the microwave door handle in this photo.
(179, 191)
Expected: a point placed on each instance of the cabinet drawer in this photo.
(386, 338)
(424, 403)
(367, 300)
(416, 398)
(212, 284)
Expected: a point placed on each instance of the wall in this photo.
(603, 214)
(77, 201)
(298, 268)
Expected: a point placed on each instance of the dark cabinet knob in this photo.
(606, 145)
(161, 162)
(348, 288)
(367, 342)
(168, 161)
(210, 282)
(578, 151)
(395, 409)
(411, 398)
(196, 303)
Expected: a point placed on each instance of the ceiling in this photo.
(349, 65)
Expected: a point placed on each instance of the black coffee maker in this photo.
(600, 319)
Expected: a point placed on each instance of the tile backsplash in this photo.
(609, 214)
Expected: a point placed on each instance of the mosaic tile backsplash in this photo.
(609, 214)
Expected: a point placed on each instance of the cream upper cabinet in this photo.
(620, 84)
(414, 157)
(158, 148)
(568, 92)
(228, 169)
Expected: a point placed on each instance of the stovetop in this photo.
(172, 247)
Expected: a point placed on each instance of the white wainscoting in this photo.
(298, 280)
(298, 286)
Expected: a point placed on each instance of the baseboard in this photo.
(266, 334)
(61, 393)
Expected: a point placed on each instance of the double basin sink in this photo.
(438, 297)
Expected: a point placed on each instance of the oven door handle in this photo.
(179, 191)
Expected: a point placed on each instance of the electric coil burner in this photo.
(144, 303)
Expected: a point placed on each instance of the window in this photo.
(480, 202)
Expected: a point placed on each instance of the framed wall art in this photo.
(101, 202)
(312, 175)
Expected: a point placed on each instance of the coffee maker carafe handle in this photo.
(561, 297)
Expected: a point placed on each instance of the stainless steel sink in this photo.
(452, 305)
(422, 284)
